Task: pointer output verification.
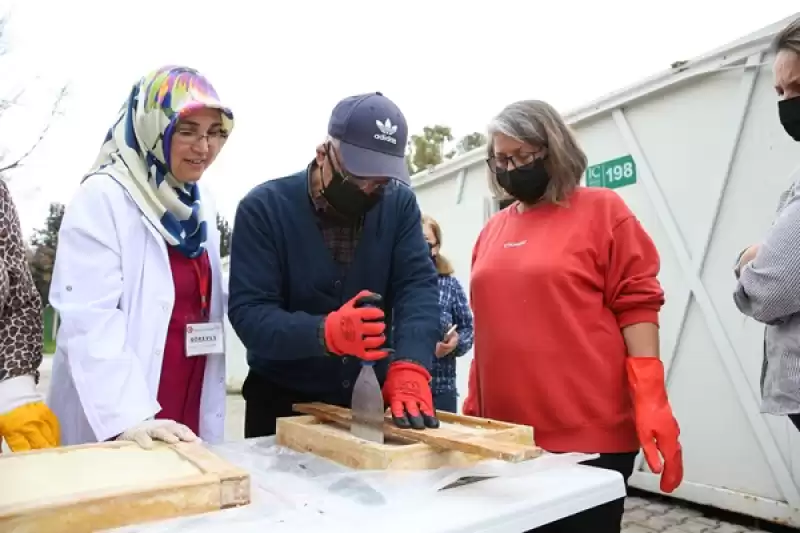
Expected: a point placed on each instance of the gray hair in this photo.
(537, 123)
(788, 38)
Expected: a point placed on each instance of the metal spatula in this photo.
(367, 401)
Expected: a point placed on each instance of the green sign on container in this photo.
(612, 174)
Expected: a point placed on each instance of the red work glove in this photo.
(408, 392)
(655, 424)
(357, 328)
(472, 403)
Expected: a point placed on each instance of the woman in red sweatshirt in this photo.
(565, 297)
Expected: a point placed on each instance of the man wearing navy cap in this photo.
(307, 248)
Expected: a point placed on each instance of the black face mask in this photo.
(346, 197)
(789, 113)
(526, 183)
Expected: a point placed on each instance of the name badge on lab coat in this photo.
(204, 338)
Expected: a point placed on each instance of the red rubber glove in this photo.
(472, 403)
(407, 390)
(655, 424)
(357, 328)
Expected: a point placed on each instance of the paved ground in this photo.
(641, 516)
(649, 516)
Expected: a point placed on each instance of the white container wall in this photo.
(710, 160)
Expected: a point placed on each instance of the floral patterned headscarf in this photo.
(136, 153)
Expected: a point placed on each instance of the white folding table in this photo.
(294, 493)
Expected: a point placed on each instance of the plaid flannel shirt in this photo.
(454, 309)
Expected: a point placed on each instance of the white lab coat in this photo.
(112, 287)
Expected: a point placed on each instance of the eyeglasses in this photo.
(191, 136)
(499, 163)
(366, 184)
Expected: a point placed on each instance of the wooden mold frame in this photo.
(334, 441)
(217, 485)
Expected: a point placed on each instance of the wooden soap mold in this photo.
(307, 433)
(218, 485)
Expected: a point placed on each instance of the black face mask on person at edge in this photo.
(345, 196)
(526, 183)
(789, 113)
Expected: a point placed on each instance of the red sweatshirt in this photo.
(551, 289)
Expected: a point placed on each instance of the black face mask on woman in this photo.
(345, 196)
(789, 113)
(526, 183)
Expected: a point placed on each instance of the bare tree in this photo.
(14, 99)
(56, 110)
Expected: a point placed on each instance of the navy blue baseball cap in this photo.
(372, 134)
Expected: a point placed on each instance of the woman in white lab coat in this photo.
(137, 279)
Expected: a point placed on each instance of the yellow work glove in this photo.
(26, 423)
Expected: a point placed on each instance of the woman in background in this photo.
(454, 311)
(767, 274)
(26, 423)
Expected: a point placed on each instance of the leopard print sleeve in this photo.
(20, 303)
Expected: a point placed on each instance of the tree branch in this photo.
(56, 106)
(6, 103)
